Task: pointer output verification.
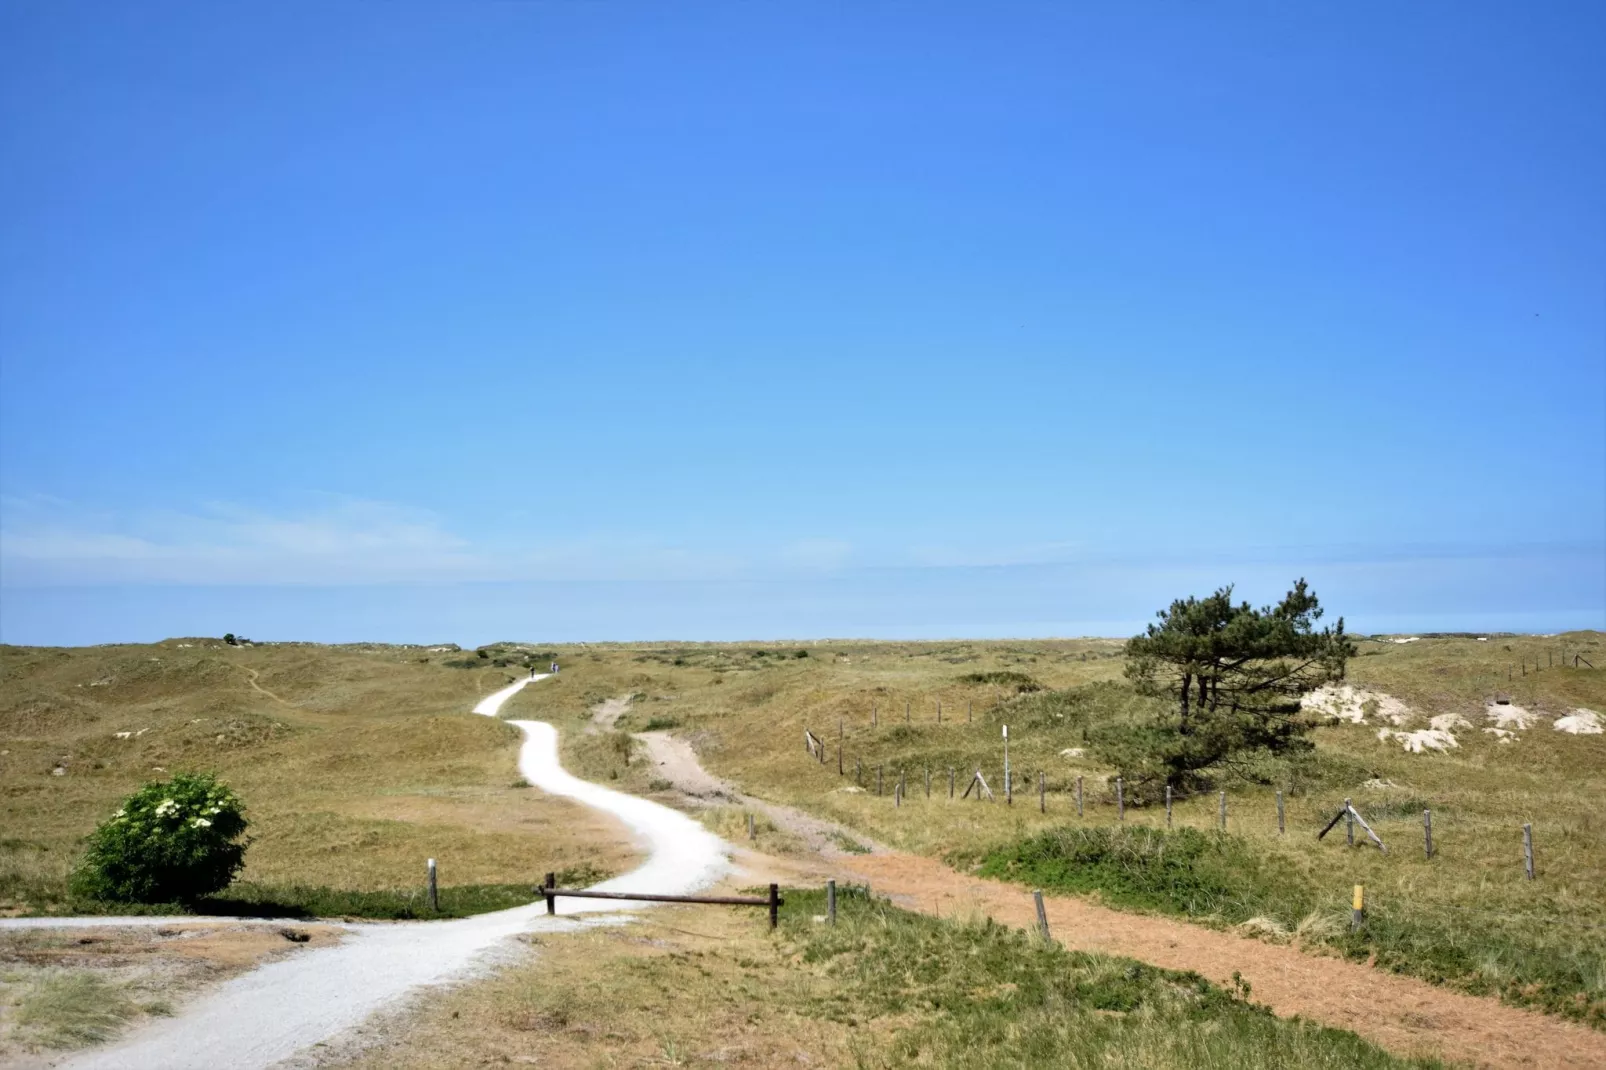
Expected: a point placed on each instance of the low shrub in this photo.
(1021, 682)
(171, 841)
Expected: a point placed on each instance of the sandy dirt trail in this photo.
(272, 1013)
(1402, 1014)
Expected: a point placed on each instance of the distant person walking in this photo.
(554, 666)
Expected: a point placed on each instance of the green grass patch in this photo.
(247, 899)
(1233, 880)
(979, 994)
(1020, 681)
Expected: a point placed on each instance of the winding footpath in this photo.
(274, 1012)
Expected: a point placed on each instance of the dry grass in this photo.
(884, 988)
(683, 987)
(369, 760)
(360, 764)
(70, 989)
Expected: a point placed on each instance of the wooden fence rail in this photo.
(551, 892)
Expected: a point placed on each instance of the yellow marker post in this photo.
(1357, 909)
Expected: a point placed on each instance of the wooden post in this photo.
(1120, 800)
(1528, 850)
(434, 899)
(950, 782)
(1042, 915)
(1168, 806)
(1357, 909)
(830, 900)
(839, 758)
(551, 900)
(905, 711)
(1280, 826)
(1042, 799)
(752, 828)
(1349, 823)
(1009, 789)
(1009, 798)
(1427, 833)
(970, 708)
(1078, 796)
(939, 711)
(878, 780)
(775, 905)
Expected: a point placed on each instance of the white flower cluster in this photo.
(165, 807)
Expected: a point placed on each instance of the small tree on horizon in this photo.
(1234, 676)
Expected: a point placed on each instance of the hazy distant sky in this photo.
(605, 320)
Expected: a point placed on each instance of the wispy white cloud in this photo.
(339, 540)
(335, 540)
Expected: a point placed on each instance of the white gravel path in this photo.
(267, 1016)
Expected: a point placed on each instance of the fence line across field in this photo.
(977, 785)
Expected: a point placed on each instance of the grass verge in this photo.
(883, 988)
(306, 901)
(1232, 880)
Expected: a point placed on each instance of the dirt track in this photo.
(1402, 1014)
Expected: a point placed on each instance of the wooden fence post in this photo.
(878, 780)
(1223, 811)
(1120, 800)
(1168, 806)
(939, 711)
(1280, 826)
(1357, 909)
(970, 708)
(1042, 915)
(830, 900)
(1009, 788)
(1078, 796)
(1349, 822)
(1528, 850)
(1042, 799)
(551, 900)
(1427, 833)
(434, 898)
(839, 758)
(950, 782)
(775, 905)
(897, 794)
(905, 711)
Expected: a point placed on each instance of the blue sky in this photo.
(590, 321)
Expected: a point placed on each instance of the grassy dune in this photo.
(364, 764)
(357, 763)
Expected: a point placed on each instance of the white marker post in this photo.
(1009, 798)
